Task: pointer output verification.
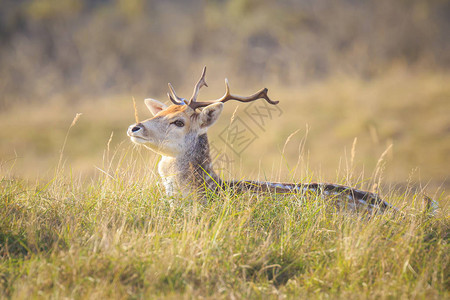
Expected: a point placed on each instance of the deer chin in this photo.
(139, 140)
(158, 148)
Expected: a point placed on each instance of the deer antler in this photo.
(172, 95)
(262, 94)
(201, 82)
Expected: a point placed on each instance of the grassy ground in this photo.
(119, 237)
(92, 221)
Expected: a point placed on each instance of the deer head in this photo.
(174, 128)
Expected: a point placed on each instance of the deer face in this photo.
(174, 128)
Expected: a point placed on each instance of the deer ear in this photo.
(154, 106)
(210, 114)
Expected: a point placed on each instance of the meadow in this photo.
(90, 220)
(364, 102)
(119, 237)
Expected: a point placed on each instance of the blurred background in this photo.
(360, 83)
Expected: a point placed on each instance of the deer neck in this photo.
(191, 171)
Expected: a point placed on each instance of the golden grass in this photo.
(136, 116)
(119, 236)
(101, 226)
(74, 121)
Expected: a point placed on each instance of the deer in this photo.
(178, 132)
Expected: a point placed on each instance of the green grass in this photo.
(99, 225)
(119, 236)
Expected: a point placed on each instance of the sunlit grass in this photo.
(83, 215)
(118, 235)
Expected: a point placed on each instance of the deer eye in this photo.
(178, 123)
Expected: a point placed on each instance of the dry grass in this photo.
(118, 236)
(101, 227)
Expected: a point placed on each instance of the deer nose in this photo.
(137, 127)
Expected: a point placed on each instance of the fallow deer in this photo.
(179, 134)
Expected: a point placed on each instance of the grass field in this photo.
(119, 237)
(82, 214)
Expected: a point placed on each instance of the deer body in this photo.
(179, 134)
